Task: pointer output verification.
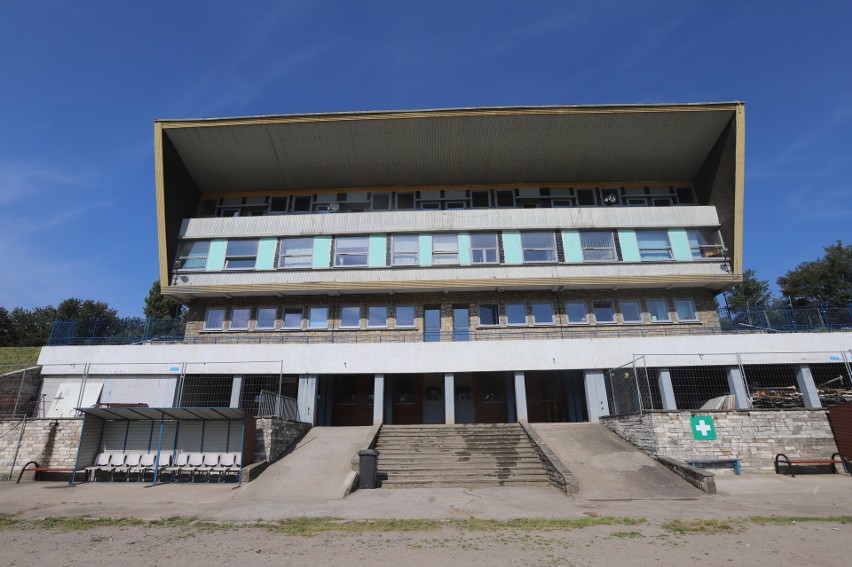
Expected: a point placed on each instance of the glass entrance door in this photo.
(432, 324)
(461, 323)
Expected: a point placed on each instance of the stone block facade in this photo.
(49, 442)
(753, 437)
(275, 436)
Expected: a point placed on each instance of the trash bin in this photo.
(368, 468)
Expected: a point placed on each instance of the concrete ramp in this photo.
(608, 467)
(319, 468)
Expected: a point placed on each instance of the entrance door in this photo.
(545, 396)
(408, 399)
(353, 400)
(432, 324)
(489, 398)
(461, 323)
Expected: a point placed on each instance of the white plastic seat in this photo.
(101, 461)
(179, 463)
(116, 460)
(209, 463)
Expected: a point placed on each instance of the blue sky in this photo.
(82, 82)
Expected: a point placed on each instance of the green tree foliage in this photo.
(750, 293)
(73, 309)
(826, 281)
(5, 327)
(160, 306)
(31, 327)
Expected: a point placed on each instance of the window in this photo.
(296, 253)
(604, 312)
(350, 317)
(516, 314)
(241, 254)
(193, 255)
(479, 199)
(214, 319)
(377, 316)
(266, 318)
(292, 318)
(538, 246)
(576, 312)
(404, 201)
(685, 309)
(658, 309)
(505, 198)
(381, 201)
(542, 313)
(240, 317)
(318, 318)
(302, 203)
(631, 311)
(488, 315)
(586, 197)
(405, 250)
(483, 248)
(445, 249)
(351, 251)
(404, 315)
(704, 243)
(598, 246)
(654, 245)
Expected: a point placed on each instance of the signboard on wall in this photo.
(703, 428)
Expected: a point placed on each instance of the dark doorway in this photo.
(408, 399)
(352, 397)
(489, 398)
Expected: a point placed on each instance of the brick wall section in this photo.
(48, 444)
(754, 437)
(704, 304)
(275, 436)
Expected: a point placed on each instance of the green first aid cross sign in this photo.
(702, 427)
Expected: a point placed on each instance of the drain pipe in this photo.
(18, 448)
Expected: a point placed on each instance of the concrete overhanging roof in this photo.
(464, 146)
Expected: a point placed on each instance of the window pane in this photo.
(516, 313)
(598, 246)
(483, 240)
(658, 310)
(296, 253)
(404, 315)
(445, 243)
(630, 311)
(537, 239)
(242, 248)
(352, 244)
(405, 250)
(542, 313)
(240, 318)
(685, 309)
(349, 316)
(377, 316)
(653, 245)
(539, 255)
(292, 318)
(194, 255)
(381, 201)
(266, 318)
(215, 318)
(604, 313)
(488, 315)
(483, 248)
(576, 312)
(318, 317)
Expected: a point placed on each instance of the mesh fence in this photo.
(628, 388)
(20, 386)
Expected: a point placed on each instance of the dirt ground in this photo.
(739, 542)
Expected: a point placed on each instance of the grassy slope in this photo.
(19, 355)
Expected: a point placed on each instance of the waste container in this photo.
(368, 468)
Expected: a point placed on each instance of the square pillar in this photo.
(664, 379)
(596, 399)
(307, 400)
(236, 391)
(449, 398)
(810, 394)
(378, 399)
(521, 396)
(736, 385)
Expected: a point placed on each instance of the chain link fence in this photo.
(19, 390)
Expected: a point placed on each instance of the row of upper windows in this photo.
(448, 199)
(450, 249)
(489, 315)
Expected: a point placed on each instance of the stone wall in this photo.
(49, 442)
(275, 436)
(753, 437)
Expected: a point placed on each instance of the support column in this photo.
(378, 399)
(307, 398)
(521, 396)
(664, 379)
(810, 394)
(595, 394)
(236, 391)
(449, 398)
(736, 385)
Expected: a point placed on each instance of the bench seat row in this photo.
(185, 464)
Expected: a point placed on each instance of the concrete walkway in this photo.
(319, 468)
(608, 467)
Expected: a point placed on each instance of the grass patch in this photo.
(19, 355)
(710, 526)
(789, 520)
(80, 523)
(311, 526)
(633, 534)
(9, 520)
(532, 524)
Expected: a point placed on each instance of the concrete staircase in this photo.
(469, 456)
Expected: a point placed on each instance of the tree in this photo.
(5, 328)
(32, 327)
(73, 309)
(159, 306)
(750, 293)
(826, 281)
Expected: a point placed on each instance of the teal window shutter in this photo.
(216, 258)
(571, 245)
(680, 244)
(629, 246)
(266, 253)
(322, 252)
(377, 253)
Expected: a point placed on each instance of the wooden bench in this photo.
(37, 469)
(836, 459)
(712, 460)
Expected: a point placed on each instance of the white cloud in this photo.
(19, 180)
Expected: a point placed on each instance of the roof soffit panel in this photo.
(445, 150)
